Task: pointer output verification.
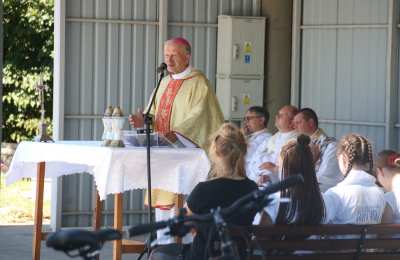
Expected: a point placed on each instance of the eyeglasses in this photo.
(248, 118)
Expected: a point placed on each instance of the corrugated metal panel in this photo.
(332, 12)
(113, 63)
(398, 92)
(343, 69)
(361, 75)
(184, 13)
(319, 12)
(319, 72)
(106, 64)
(373, 133)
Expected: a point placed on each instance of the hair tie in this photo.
(391, 160)
(303, 140)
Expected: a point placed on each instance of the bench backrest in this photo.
(321, 242)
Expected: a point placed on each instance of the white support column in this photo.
(296, 53)
(256, 8)
(162, 28)
(391, 76)
(58, 102)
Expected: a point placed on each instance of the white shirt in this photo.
(393, 200)
(182, 74)
(271, 209)
(253, 142)
(268, 151)
(255, 139)
(355, 200)
(327, 167)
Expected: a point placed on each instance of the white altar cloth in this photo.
(114, 170)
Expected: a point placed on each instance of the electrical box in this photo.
(240, 64)
(236, 95)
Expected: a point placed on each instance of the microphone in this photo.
(162, 67)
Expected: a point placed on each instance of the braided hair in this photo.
(358, 151)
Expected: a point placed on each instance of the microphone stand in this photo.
(147, 122)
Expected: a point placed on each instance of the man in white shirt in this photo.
(326, 166)
(254, 128)
(263, 166)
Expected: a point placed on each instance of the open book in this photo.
(132, 138)
(184, 142)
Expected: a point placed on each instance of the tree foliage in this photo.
(28, 55)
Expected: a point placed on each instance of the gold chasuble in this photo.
(187, 106)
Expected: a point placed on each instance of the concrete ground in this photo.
(16, 244)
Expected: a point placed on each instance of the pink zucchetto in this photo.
(182, 42)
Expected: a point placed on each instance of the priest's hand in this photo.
(269, 166)
(171, 136)
(245, 130)
(137, 120)
(262, 179)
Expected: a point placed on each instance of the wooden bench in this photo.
(341, 242)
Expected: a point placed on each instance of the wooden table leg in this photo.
(38, 218)
(117, 244)
(178, 204)
(97, 214)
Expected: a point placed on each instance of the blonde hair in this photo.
(358, 151)
(227, 152)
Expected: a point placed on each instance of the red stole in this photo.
(163, 115)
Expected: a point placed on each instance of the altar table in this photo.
(114, 171)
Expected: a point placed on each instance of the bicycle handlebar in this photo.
(258, 196)
(88, 243)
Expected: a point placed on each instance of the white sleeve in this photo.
(332, 202)
(272, 208)
(329, 174)
(255, 161)
(391, 200)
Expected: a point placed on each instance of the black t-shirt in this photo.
(221, 192)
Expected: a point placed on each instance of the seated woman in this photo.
(357, 199)
(388, 175)
(227, 183)
(303, 202)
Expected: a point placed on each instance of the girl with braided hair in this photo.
(388, 175)
(357, 199)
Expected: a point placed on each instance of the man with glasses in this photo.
(254, 128)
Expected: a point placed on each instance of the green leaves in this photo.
(28, 53)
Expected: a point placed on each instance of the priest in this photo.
(185, 105)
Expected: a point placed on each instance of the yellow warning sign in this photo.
(248, 47)
(246, 99)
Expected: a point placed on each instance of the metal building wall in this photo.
(110, 55)
(397, 71)
(196, 20)
(111, 52)
(344, 66)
